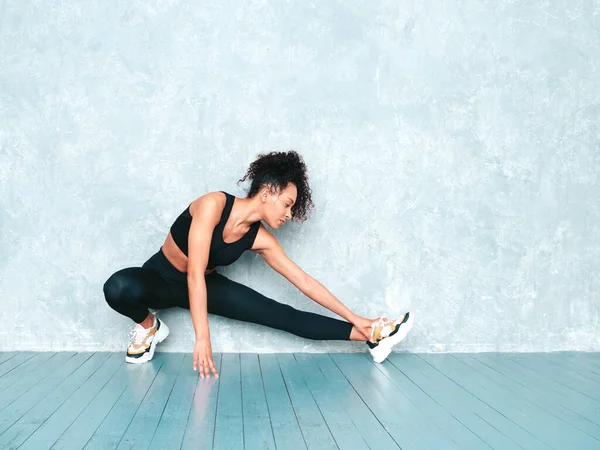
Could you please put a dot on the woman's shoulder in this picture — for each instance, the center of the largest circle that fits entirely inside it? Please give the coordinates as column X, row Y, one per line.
column 214, row 198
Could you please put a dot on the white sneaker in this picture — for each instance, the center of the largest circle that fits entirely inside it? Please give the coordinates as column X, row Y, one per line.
column 144, row 340
column 387, row 334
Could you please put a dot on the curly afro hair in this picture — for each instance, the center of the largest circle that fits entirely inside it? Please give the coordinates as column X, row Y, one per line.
column 278, row 169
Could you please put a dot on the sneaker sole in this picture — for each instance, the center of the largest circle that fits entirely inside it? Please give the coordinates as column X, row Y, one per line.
column 160, row 336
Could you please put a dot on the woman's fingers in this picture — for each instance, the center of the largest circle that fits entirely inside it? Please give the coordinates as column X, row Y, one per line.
column 203, row 359
column 213, row 368
column 205, row 366
column 210, row 366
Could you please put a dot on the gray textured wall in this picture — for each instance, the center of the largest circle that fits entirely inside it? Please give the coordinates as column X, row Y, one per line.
column 452, row 147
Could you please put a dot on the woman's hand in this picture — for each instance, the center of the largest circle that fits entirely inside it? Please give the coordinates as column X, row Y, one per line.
column 363, row 326
column 203, row 360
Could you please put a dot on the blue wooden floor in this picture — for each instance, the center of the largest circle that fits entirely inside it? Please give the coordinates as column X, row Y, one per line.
column 294, row 401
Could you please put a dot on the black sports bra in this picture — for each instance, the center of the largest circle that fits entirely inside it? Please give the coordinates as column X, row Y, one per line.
column 221, row 253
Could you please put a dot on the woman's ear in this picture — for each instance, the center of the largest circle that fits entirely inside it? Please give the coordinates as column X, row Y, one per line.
column 264, row 193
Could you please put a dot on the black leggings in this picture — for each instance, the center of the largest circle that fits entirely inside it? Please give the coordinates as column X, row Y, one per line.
column 159, row 285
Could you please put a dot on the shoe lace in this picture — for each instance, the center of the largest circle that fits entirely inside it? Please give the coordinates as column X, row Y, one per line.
column 138, row 334
column 381, row 321
column 378, row 324
column 381, row 324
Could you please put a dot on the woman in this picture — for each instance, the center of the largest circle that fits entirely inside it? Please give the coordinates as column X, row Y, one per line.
column 214, row 231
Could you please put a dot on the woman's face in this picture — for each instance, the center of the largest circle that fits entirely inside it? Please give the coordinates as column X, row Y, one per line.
column 278, row 206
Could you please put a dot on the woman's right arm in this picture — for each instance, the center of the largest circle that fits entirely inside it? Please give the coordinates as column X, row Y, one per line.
column 206, row 216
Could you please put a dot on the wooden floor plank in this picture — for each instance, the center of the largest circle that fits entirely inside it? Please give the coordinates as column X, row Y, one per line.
column 346, row 397
column 83, row 427
column 31, row 379
column 327, row 397
column 200, row 424
column 14, row 408
column 18, row 360
column 573, row 399
column 458, row 431
column 564, row 362
column 496, row 429
column 229, row 422
column 312, row 424
column 171, row 427
column 258, row 433
column 141, row 430
column 478, row 401
column 563, row 373
column 409, row 427
column 115, row 423
column 5, row 356
column 546, row 426
column 555, row 402
column 57, row 422
column 284, row 423
column 583, row 361
column 36, row 363
column 29, row 422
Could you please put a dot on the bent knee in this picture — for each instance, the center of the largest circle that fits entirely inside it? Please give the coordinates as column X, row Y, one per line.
column 120, row 286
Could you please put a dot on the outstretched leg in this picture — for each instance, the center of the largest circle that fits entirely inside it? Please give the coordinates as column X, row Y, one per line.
column 234, row 300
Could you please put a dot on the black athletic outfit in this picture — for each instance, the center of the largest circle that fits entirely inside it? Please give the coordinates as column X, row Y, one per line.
column 159, row 285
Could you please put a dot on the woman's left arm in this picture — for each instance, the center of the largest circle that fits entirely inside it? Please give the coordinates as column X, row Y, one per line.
column 269, row 248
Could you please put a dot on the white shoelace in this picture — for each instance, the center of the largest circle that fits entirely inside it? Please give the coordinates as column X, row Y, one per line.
column 138, row 334
column 379, row 322
column 383, row 322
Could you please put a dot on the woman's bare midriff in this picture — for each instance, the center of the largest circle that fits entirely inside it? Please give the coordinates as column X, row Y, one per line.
column 176, row 256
